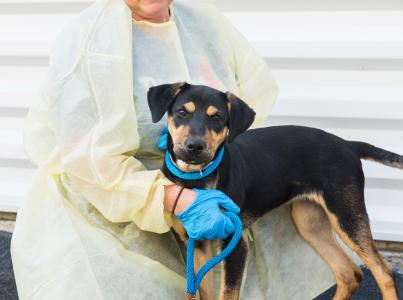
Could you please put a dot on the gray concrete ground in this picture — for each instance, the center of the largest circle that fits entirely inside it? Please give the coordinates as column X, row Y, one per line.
column 368, row 289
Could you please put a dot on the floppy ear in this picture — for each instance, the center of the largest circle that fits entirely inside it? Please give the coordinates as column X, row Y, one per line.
column 241, row 116
column 160, row 97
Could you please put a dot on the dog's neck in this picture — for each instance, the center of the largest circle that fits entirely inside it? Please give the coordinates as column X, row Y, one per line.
column 208, row 181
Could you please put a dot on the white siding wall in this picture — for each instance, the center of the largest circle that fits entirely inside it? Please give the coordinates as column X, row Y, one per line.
column 339, row 65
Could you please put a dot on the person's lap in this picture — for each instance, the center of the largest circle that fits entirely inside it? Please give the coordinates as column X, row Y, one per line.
column 119, row 259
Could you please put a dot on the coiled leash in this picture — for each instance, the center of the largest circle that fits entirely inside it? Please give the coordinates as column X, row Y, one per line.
column 193, row 281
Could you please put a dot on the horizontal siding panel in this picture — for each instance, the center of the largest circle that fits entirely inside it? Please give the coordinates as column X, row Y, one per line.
column 11, row 148
column 386, row 221
column 389, row 139
column 325, row 25
column 324, row 34
column 31, row 35
column 346, row 84
column 14, row 185
column 20, row 85
column 385, row 210
column 386, row 230
column 254, row 5
column 337, row 89
column 25, row 73
column 375, row 170
column 337, row 109
column 391, row 198
column 307, row 5
column 25, row 48
column 376, row 91
column 274, row 34
column 345, row 50
column 17, row 99
column 337, row 78
column 11, row 138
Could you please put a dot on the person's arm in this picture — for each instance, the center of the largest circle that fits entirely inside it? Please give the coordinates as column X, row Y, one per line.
column 185, row 199
column 64, row 134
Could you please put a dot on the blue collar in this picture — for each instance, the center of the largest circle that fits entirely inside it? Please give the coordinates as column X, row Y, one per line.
column 193, row 175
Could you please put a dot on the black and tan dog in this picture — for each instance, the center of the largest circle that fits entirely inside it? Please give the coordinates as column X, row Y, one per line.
column 263, row 168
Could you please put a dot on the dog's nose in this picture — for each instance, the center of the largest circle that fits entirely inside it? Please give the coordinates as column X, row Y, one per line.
column 195, row 145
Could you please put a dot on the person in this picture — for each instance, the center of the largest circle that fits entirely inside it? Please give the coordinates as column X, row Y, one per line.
column 96, row 221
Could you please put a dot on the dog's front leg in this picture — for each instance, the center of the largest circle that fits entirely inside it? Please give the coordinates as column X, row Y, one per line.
column 202, row 254
column 232, row 271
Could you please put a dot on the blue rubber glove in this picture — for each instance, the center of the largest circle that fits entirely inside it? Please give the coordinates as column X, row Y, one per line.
column 162, row 141
column 203, row 219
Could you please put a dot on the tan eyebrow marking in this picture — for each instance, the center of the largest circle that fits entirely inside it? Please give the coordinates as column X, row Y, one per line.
column 190, row 106
column 211, row 110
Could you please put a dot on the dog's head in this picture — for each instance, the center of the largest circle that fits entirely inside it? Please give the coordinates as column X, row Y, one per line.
column 200, row 120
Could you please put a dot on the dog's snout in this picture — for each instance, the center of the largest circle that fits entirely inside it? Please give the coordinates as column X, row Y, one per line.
column 195, row 145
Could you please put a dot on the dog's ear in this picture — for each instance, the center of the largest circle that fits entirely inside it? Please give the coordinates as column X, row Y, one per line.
column 241, row 116
column 160, row 97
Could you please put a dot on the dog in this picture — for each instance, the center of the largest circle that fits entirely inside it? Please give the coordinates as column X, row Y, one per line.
column 320, row 173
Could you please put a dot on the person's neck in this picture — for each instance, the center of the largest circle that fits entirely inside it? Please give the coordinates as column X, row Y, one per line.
column 161, row 18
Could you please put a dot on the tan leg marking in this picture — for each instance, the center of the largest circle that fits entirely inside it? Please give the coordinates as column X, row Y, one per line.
column 227, row 293
column 314, row 227
column 179, row 229
column 365, row 249
column 231, row 292
column 202, row 254
column 222, row 282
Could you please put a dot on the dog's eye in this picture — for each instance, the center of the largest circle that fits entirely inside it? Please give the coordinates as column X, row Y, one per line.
column 216, row 117
column 182, row 112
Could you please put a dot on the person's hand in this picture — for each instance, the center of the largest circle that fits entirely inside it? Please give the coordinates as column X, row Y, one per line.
column 163, row 140
column 203, row 218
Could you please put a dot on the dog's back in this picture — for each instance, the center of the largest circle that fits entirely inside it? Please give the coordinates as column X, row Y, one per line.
column 276, row 164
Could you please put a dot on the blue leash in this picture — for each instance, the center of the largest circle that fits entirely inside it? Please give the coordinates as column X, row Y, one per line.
column 193, row 281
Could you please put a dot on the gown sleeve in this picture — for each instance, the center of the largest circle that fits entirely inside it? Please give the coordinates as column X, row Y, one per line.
column 65, row 133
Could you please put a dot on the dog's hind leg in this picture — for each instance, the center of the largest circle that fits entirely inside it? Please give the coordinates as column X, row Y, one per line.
column 350, row 221
column 232, row 271
column 314, row 227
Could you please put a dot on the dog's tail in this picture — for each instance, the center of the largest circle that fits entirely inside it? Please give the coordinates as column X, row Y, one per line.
column 369, row 152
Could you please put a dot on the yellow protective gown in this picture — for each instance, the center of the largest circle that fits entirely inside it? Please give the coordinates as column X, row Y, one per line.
column 92, row 225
